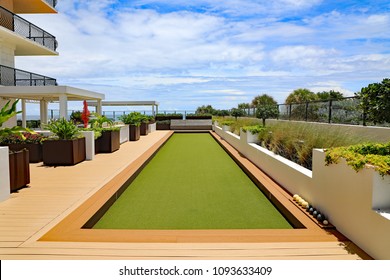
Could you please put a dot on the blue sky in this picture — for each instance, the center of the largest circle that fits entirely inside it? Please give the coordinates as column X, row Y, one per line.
column 185, row 54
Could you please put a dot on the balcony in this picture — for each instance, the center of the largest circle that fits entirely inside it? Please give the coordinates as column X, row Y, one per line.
column 16, row 77
column 26, row 29
column 34, row 6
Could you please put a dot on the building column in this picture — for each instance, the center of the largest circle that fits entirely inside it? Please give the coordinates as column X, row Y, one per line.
column 63, row 106
column 24, row 121
column 99, row 107
column 43, row 112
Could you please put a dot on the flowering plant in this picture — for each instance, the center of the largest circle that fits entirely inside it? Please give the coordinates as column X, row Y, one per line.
column 23, row 138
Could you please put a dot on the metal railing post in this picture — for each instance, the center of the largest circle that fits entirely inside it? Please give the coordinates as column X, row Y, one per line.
column 330, row 112
column 306, row 110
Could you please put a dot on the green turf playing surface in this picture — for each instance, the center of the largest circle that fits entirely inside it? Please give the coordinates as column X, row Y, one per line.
column 192, row 183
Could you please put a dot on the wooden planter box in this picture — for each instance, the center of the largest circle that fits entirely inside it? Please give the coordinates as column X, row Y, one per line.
column 163, row 126
column 144, row 128
column 64, row 152
column 19, row 169
column 134, row 132
column 35, row 151
column 109, row 142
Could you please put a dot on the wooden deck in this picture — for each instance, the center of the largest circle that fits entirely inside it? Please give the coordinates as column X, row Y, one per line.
column 56, row 192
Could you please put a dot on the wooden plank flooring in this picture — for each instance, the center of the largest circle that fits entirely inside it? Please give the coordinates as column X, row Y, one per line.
column 55, row 192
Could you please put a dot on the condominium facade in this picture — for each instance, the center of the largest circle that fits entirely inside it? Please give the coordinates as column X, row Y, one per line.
column 19, row 37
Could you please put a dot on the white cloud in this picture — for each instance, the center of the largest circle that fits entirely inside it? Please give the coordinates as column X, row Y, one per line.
column 214, row 52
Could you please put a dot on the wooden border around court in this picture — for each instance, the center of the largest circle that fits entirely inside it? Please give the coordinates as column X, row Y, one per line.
column 71, row 227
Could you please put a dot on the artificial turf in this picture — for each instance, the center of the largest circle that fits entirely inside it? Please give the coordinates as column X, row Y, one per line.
column 192, row 183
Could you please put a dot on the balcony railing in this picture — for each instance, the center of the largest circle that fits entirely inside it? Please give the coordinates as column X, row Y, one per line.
column 28, row 30
column 52, row 3
column 15, row 77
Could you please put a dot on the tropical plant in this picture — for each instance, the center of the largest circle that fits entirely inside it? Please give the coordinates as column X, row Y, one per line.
column 330, row 95
column 301, row 95
column 76, row 117
column 134, row 118
column 205, row 109
column 63, row 129
column 98, row 121
column 375, row 101
column 7, row 113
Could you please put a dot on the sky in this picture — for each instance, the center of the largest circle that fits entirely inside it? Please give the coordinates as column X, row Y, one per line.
column 185, row 54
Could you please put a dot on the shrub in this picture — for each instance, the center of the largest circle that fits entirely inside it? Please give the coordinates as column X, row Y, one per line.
column 134, row 118
column 357, row 156
column 63, row 129
column 254, row 129
column 24, row 138
column 296, row 141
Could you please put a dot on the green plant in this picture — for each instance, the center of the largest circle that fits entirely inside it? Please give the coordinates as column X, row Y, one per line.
column 358, row 156
column 235, row 112
column 23, row 138
column 98, row 121
column 227, row 122
column 296, row 141
column 375, row 101
column 5, row 114
column 63, row 129
column 254, row 129
column 76, row 117
column 134, row 118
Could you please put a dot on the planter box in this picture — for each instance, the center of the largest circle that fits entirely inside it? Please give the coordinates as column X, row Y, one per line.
column 198, row 117
column 35, row 151
column 163, row 126
column 248, row 137
column 108, row 142
column 152, row 127
column 124, row 133
column 144, row 129
column 134, row 132
column 64, row 152
column 19, row 169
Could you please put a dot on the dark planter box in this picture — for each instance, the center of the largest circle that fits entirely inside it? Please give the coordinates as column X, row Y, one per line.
column 35, row 151
column 19, row 169
column 64, row 152
column 169, row 117
column 134, row 132
column 163, row 126
column 198, row 117
column 144, row 128
column 107, row 143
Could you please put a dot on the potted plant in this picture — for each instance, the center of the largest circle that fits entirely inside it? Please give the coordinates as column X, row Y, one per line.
column 26, row 140
column 134, row 120
column 19, row 168
column 109, row 139
column 144, row 125
column 66, row 147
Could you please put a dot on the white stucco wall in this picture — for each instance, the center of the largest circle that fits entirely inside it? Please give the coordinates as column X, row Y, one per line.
column 4, row 174
column 349, row 199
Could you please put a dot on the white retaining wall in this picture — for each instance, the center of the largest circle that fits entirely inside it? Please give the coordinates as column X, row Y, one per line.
column 4, row 174
column 349, row 199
